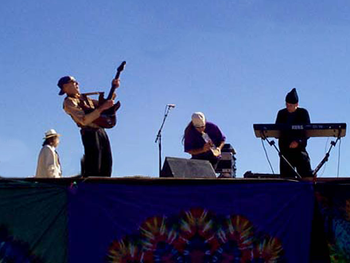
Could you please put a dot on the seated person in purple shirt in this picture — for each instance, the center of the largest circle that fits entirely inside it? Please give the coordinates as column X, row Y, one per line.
column 203, row 139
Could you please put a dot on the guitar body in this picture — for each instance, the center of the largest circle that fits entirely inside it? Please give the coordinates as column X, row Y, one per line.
column 108, row 118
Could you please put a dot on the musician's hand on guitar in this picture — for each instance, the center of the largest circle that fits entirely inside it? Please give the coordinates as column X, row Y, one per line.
column 293, row 145
column 216, row 151
column 114, row 96
column 206, row 147
column 116, row 83
column 106, row 105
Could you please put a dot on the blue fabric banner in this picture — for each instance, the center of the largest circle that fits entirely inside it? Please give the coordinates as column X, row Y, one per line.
column 33, row 222
column 190, row 222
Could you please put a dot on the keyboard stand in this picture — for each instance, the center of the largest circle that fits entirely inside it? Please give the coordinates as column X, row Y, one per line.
column 325, row 158
column 272, row 143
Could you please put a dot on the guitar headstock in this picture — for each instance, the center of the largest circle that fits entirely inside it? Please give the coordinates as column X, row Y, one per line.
column 121, row 67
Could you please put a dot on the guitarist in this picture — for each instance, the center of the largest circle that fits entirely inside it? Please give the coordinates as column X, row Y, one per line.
column 203, row 139
column 84, row 111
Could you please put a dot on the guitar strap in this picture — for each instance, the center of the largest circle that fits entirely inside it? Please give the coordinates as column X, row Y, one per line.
column 84, row 102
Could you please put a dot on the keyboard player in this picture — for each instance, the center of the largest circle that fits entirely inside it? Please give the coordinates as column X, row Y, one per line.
column 292, row 144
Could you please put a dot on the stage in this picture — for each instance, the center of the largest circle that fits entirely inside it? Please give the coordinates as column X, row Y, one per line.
column 141, row 219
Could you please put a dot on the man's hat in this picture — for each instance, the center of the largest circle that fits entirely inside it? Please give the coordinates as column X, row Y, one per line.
column 292, row 97
column 62, row 81
column 51, row 133
column 198, row 119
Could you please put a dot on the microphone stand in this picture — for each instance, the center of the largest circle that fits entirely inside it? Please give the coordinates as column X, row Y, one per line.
column 325, row 158
column 159, row 138
column 272, row 143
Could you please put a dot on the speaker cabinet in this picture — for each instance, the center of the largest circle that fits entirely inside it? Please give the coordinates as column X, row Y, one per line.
column 187, row 168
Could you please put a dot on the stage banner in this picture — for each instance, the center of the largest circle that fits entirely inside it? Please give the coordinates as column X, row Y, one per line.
column 191, row 221
column 334, row 208
column 33, row 222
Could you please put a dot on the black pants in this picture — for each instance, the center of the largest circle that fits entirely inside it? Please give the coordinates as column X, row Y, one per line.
column 98, row 156
column 299, row 159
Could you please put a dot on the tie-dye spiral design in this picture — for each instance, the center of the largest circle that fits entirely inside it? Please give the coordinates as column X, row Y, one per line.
column 197, row 235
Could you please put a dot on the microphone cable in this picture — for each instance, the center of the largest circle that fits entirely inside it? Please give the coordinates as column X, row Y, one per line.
column 338, row 158
column 267, row 156
column 325, row 164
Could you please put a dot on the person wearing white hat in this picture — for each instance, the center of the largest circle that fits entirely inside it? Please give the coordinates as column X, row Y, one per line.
column 48, row 161
column 203, row 140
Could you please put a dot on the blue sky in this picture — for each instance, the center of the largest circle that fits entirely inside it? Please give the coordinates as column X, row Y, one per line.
column 234, row 60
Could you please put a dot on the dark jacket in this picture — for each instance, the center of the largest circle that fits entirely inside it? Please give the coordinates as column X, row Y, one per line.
column 300, row 116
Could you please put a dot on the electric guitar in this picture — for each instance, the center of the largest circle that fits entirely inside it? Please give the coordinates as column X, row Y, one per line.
column 216, row 152
column 108, row 118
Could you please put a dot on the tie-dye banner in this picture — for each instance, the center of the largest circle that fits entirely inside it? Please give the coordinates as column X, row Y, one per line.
column 190, row 222
column 155, row 221
column 333, row 200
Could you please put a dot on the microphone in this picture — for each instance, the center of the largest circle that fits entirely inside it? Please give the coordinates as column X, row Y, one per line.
column 171, row 105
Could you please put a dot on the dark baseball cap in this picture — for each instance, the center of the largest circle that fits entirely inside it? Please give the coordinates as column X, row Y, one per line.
column 62, row 81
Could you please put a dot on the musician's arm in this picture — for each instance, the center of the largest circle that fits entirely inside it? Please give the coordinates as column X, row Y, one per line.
column 97, row 102
column 220, row 140
column 221, row 145
column 206, row 147
column 217, row 150
column 72, row 107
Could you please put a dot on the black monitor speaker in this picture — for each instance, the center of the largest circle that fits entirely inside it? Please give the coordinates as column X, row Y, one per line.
column 187, row 168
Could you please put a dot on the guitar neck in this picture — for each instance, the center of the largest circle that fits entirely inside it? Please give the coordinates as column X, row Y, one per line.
column 110, row 94
column 114, row 87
